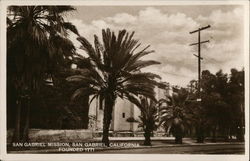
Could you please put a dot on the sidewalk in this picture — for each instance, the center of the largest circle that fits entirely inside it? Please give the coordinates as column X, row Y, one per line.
column 158, row 142
column 133, row 138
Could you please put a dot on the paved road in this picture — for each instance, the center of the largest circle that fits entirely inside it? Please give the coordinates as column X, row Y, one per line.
column 194, row 149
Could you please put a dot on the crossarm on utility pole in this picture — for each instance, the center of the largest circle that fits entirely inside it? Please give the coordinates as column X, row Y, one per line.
column 200, row 43
column 198, row 56
column 203, row 28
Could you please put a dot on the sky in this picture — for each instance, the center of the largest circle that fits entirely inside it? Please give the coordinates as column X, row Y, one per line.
column 166, row 29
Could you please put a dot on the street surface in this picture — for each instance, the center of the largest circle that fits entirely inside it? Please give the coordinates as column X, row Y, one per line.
column 193, row 149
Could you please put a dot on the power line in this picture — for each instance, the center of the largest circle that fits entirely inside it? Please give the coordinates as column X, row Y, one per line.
column 213, row 60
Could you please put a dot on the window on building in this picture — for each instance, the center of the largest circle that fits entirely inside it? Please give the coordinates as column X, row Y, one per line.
column 123, row 115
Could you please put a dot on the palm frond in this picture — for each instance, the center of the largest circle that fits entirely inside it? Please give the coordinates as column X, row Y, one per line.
column 63, row 9
column 90, row 50
column 71, row 27
column 141, row 64
column 79, row 92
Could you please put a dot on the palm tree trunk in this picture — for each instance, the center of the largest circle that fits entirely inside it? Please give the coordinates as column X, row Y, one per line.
column 108, row 109
column 214, row 134
column 27, row 121
column 147, row 134
column 200, row 133
column 16, row 134
column 85, row 109
column 178, row 139
column 105, row 134
column 178, row 135
column 225, row 133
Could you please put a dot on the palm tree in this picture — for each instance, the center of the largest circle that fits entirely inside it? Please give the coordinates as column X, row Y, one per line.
column 113, row 69
column 174, row 115
column 37, row 44
column 148, row 118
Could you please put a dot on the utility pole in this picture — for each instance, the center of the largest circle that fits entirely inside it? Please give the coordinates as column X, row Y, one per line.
column 199, row 55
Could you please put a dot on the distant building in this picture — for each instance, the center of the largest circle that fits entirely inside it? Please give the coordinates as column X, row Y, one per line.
column 122, row 111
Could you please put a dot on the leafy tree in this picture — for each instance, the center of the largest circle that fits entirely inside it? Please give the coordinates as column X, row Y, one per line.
column 206, row 111
column 37, row 44
column 211, row 105
column 222, row 100
column 236, row 100
column 113, row 69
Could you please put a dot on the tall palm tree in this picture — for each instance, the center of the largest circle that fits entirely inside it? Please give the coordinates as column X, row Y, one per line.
column 174, row 113
column 37, row 44
column 113, row 69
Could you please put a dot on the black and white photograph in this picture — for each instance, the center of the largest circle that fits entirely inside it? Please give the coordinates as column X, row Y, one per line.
column 122, row 77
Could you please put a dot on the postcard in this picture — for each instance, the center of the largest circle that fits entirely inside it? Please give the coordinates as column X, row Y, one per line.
column 124, row 80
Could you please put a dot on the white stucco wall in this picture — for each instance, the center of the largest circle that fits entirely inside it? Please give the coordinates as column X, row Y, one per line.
column 122, row 107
